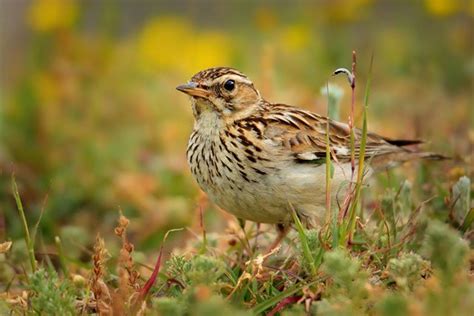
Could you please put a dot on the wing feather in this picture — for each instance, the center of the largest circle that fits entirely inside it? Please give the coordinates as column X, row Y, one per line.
column 304, row 133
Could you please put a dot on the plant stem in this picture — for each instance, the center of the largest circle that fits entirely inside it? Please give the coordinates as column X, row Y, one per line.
column 29, row 243
column 62, row 258
column 328, row 170
column 360, row 170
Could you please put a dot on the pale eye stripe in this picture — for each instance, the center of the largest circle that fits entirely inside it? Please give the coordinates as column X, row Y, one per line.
column 235, row 77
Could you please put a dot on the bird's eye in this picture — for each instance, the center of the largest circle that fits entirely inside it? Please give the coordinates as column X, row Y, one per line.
column 229, row 85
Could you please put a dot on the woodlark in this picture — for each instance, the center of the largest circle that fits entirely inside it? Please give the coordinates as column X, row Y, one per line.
column 258, row 160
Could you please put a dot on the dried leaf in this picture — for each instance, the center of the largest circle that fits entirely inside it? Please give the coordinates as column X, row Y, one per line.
column 5, row 246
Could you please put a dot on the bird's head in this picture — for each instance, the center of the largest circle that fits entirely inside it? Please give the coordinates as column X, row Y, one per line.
column 223, row 91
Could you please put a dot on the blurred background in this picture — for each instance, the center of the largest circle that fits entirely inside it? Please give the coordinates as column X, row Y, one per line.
column 90, row 121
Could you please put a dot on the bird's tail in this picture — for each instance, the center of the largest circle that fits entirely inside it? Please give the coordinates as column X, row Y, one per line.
column 391, row 160
column 430, row 156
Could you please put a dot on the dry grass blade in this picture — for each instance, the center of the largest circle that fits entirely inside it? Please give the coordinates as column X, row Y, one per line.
column 5, row 246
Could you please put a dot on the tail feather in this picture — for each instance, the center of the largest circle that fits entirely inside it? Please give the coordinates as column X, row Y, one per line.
column 403, row 142
column 391, row 160
column 431, row 156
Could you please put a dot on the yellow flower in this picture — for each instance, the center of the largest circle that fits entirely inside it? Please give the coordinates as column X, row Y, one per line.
column 173, row 43
column 340, row 11
column 49, row 15
column 295, row 38
column 162, row 41
column 208, row 49
column 442, row 7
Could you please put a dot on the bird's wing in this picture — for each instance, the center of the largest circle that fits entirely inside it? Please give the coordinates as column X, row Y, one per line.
column 303, row 134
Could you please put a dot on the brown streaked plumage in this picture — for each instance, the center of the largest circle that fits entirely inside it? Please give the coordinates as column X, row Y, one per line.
column 255, row 158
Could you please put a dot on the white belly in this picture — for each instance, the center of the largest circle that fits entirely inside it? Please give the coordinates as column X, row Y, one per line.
column 303, row 186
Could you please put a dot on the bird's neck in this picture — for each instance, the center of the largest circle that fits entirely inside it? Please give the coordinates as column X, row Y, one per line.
column 209, row 123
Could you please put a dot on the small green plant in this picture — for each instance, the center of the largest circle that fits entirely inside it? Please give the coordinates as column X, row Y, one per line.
column 407, row 270
column 345, row 273
column 393, row 305
column 50, row 295
column 312, row 259
column 449, row 291
column 168, row 306
column 447, row 251
column 346, row 288
column 204, row 269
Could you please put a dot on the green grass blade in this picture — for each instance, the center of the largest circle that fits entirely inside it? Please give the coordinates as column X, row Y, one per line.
column 62, row 258
column 21, row 211
column 329, row 173
column 304, row 242
column 468, row 220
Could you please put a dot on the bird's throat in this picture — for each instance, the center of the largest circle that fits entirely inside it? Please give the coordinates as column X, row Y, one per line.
column 209, row 123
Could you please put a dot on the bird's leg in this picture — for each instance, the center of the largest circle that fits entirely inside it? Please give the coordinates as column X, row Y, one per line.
column 245, row 241
column 282, row 230
column 241, row 223
column 257, row 233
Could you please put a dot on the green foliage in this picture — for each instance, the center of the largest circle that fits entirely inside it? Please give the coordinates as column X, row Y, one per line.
column 446, row 250
column 178, row 266
column 216, row 306
column 392, row 305
column 407, row 270
column 313, row 257
column 192, row 304
column 168, row 306
column 346, row 291
column 304, row 245
column 51, row 295
column 204, row 269
column 346, row 274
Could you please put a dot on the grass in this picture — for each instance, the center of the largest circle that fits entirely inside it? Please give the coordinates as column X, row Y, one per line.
column 29, row 242
column 387, row 271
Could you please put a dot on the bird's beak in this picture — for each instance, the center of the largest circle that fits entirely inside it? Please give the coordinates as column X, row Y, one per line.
column 192, row 89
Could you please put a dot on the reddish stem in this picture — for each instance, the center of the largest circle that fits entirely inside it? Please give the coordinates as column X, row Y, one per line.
column 283, row 303
column 201, row 223
column 146, row 288
column 351, row 131
column 351, row 119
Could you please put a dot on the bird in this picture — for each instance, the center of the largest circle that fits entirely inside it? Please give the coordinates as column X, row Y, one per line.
column 260, row 161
